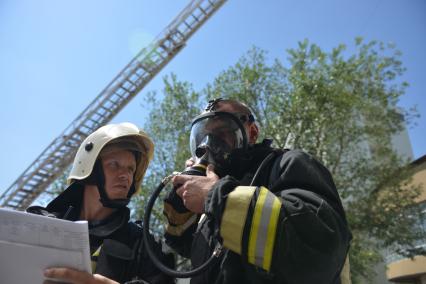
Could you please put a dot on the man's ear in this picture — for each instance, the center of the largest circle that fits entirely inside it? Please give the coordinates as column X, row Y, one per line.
column 253, row 133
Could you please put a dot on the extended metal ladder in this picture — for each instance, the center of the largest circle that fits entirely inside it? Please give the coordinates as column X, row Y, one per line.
column 125, row 86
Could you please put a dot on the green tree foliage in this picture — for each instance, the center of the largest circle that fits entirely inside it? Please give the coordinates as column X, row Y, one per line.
column 168, row 126
column 340, row 108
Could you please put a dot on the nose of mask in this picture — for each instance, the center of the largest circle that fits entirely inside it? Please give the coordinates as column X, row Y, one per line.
column 215, row 145
column 220, row 161
column 200, row 151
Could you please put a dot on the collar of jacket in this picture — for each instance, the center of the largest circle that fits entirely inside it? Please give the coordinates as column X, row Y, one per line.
column 243, row 162
column 112, row 223
column 73, row 196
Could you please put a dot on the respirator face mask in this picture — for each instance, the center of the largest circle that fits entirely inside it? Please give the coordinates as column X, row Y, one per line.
column 214, row 136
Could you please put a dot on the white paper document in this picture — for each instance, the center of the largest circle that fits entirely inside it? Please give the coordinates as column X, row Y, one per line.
column 30, row 243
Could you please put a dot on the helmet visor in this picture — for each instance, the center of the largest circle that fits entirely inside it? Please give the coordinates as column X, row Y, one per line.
column 219, row 132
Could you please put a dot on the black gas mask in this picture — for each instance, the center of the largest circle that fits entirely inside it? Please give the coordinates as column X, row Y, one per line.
column 215, row 137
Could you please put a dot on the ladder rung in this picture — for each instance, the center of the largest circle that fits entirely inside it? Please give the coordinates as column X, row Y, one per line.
column 26, row 189
column 44, row 175
column 17, row 200
column 141, row 71
column 79, row 133
column 68, row 138
column 164, row 48
column 187, row 25
column 208, row 7
column 158, row 53
column 36, row 178
column 112, row 102
column 179, row 33
column 202, row 10
column 124, row 88
column 131, row 82
column 169, row 39
column 22, row 193
column 61, row 152
column 91, row 128
column 129, row 87
column 100, row 116
column 196, row 19
column 118, row 95
column 102, row 107
column 140, row 66
column 94, row 121
column 87, row 127
column 79, row 137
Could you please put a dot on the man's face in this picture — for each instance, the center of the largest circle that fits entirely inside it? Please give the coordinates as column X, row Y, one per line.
column 230, row 108
column 223, row 131
column 219, row 133
column 119, row 168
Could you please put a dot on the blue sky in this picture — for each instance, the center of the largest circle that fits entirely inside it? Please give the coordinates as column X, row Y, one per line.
column 56, row 56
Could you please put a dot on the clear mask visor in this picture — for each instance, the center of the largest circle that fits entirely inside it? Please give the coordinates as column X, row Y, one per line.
column 219, row 134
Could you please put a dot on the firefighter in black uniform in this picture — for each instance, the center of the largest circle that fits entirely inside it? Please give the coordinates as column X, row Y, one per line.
column 108, row 169
column 276, row 212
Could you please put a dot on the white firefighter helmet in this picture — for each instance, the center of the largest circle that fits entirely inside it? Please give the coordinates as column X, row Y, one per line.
column 123, row 135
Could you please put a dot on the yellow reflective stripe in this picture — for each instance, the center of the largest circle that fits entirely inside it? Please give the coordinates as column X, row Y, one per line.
column 255, row 227
column 272, row 228
column 234, row 217
column 345, row 275
column 263, row 229
column 95, row 254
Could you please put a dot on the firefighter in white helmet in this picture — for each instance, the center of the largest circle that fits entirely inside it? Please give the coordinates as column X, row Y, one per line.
column 108, row 169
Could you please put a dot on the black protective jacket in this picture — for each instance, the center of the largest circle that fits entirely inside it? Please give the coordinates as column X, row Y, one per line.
column 116, row 245
column 290, row 227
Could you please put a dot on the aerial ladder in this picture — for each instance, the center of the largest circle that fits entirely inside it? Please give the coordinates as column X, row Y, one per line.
column 57, row 157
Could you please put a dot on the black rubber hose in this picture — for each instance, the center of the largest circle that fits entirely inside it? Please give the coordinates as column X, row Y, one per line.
column 151, row 253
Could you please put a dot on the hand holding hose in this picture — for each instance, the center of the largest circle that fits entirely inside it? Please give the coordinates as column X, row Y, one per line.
column 187, row 186
column 194, row 189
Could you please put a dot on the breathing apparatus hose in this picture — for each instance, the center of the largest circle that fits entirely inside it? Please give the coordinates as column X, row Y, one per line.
column 149, row 246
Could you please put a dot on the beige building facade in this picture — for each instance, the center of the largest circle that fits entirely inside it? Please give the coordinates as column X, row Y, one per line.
column 406, row 270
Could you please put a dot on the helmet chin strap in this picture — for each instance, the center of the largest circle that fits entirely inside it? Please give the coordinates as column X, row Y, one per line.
column 112, row 203
column 104, row 199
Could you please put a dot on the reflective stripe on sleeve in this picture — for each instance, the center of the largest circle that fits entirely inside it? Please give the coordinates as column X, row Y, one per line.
column 94, row 258
column 263, row 229
column 234, row 217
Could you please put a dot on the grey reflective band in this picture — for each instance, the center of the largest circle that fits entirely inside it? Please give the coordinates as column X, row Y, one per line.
column 263, row 229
